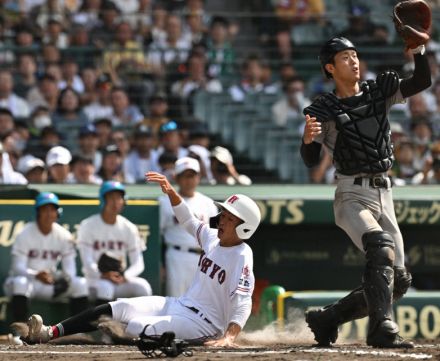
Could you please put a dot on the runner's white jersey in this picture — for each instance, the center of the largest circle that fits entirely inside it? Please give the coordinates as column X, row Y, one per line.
column 201, row 206
column 96, row 237
column 223, row 272
column 43, row 252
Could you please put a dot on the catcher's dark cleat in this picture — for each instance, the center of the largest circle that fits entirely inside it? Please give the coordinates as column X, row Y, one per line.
column 325, row 332
column 383, row 340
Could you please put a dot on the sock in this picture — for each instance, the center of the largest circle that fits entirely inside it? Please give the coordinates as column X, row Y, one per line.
column 84, row 321
column 57, row 331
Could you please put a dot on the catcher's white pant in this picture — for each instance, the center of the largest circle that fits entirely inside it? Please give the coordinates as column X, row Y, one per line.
column 107, row 290
column 32, row 288
column 360, row 209
column 162, row 314
column 181, row 268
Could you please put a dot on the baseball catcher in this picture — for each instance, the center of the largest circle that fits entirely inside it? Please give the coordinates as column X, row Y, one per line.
column 352, row 123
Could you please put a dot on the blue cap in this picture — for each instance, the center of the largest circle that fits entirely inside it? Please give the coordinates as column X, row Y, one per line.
column 168, row 127
column 109, row 186
column 87, row 129
column 46, row 198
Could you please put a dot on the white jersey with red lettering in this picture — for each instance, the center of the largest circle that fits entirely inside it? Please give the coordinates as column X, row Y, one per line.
column 182, row 249
column 122, row 240
column 43, row 252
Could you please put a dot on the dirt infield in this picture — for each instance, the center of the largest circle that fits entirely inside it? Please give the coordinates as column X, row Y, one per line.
column 276, row 352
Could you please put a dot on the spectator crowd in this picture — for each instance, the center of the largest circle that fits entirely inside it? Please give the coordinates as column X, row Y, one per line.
column 99, row 90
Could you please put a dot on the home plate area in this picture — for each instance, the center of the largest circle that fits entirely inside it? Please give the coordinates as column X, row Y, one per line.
column 263, row 352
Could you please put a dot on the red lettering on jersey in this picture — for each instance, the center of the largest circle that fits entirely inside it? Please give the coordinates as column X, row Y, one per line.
column 206, row 263
column 221, row 276
column 120, row 245
column 201, row 257
column 96, row 245
column 44, row 255
column 54, row 255
column 111, row 245
column 246, row 271
column 232, row 199
column 33, row 253
column 215, row 269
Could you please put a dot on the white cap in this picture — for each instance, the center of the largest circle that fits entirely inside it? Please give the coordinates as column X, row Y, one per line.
column 186, row 163
column 222, row 155
column 29, row 162
column 58, row 155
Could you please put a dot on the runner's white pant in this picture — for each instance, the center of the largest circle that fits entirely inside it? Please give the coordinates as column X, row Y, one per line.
column 162, row 314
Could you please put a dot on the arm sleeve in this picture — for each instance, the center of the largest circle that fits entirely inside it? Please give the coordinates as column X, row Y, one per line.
column 89, row 265
column 241, row 309
column 421, row 78
column 310, row 153
column 136, row 263
column 19, row 266
column 68, row 265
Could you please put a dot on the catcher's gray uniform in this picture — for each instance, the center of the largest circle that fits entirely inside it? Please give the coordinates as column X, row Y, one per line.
column 360, row 208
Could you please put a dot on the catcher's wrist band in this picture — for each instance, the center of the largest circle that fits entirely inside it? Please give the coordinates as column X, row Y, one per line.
column 419, row 50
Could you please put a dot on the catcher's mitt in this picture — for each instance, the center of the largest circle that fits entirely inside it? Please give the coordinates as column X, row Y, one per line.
column 412, row 20
column 107, row 263
column 166, row 344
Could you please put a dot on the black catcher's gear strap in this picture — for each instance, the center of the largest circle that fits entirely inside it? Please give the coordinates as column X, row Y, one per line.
column 163, row 345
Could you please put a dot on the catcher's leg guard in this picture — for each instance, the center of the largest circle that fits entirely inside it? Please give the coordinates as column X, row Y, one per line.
column 324, row 322
column 378, row 285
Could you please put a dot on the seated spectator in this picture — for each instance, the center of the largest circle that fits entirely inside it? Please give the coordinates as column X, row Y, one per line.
column 104, row 130
column 142, row 158
column 422, row 137
column 170, row 140
column 123, row 113
column 33, row 169
column 167, row 54
column 6, row 122
column 124, row 55
column 360, row 29
column 40, row 248
column 40, row 118
column 82, row 171
column 221, row 56
column 88, row 142
column 289, row 108
column 166, row 163
column 292, row 12
column 26, row 74
column 79, row 37
column 50, row 55
column 45, row 93
column 251, row 80
column 70, row 76
column 8, row 99
column 158, row 110
column 101, row 107
column 7, row 173
column 89, row 77
column 48, row 138
column 432, row 171
column 41, row 14
column 69, row 111
column 119, row 137
column 87, row 14
column 159, row 17
column 57, row 160
column 223, row 169
column 54, row 32
column 103, row 33
column 404, row 170
column 111, row 167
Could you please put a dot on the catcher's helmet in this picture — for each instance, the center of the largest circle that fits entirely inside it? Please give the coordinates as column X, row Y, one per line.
column 247, row 210
column 48, row 198
column 110, row 186
column 331, row 48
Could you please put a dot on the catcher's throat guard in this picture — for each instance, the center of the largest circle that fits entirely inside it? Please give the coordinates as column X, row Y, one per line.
column 164, row 345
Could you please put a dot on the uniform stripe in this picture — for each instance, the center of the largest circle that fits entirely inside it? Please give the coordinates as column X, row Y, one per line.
column 198, row 234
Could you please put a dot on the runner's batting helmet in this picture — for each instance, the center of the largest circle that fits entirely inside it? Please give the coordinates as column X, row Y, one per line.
column 331, row 48
column 110, row 186
column 247, row 210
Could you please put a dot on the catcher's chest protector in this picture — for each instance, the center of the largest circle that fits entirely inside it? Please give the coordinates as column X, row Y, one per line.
column 363, row 143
